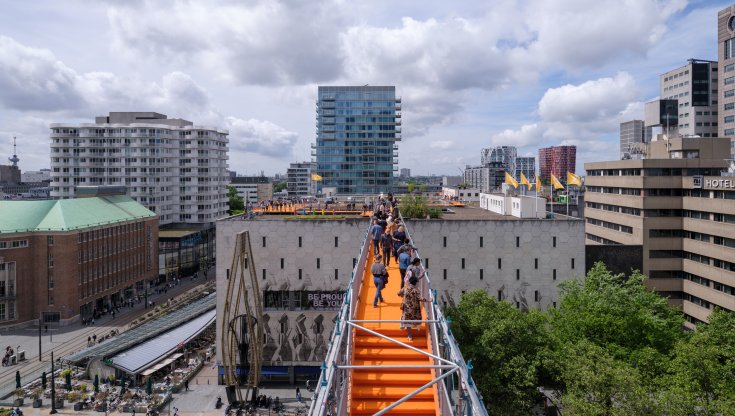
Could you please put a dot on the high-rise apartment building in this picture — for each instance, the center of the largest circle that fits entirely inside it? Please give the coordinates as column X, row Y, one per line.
column 298, row 179
column 172, row 167
column 726, row 84
column 678, row 208
column 694, row 85
column 405, row 173
column 506, row 155
column 357, row 131
column 633, row 136
column 557, row 160
column 527, row 166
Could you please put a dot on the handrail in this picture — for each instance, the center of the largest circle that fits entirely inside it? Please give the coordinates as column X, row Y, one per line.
column 477, row 407
column 332, row 391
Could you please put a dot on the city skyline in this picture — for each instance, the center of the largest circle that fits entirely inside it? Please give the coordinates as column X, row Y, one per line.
column 66, row 64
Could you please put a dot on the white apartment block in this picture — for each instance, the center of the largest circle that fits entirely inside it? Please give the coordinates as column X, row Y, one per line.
column 695, row 87
column 172, row 167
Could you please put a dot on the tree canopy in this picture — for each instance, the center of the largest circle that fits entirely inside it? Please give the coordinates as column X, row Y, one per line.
column 235, row 202
column 612, row 347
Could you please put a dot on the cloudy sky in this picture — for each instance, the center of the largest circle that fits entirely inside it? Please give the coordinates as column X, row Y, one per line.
column 472, row 74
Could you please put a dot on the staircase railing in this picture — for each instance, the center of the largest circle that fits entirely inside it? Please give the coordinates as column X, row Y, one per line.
column 458, row 395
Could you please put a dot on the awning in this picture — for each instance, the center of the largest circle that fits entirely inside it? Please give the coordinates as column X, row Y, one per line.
column 144, row 356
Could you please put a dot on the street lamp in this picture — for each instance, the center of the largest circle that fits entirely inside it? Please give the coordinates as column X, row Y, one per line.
column 53, row 386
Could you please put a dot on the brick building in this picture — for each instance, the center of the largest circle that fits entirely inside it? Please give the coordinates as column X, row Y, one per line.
column 68, row 259
column 557, row 160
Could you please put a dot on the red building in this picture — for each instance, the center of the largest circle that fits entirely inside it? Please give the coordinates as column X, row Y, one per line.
column 557, row 160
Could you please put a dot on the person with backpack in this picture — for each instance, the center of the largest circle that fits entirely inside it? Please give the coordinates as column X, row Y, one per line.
column 404, row 260
column 375, row 232
column 416, row 270
column 380, row 278
column 387, row 243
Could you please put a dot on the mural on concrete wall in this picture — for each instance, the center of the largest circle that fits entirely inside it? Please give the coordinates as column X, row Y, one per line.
column 291, row 337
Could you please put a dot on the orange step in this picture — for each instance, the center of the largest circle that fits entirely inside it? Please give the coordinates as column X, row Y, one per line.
column 411, row 407
column 390, row 392
column 374, row 389
column 403, row 378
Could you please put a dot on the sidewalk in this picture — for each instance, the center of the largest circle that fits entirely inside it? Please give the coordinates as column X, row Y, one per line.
column 68, row 339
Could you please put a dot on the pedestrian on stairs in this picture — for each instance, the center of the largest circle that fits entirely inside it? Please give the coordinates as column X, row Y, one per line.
column 380, row 277
column 411, row 306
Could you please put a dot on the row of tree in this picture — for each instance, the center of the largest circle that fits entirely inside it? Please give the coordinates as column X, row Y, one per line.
column 612, row 347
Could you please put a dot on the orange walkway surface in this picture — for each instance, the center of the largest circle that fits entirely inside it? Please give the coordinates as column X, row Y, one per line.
column 372, row 390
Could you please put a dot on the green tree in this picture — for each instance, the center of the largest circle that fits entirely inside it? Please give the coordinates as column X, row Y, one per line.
column 703, row 370
column 279, row 186
column 504, row 344
column 618, row 313
column 235, row 201
column 599, row 385
column 410, row 187
column 422, row 188
column 414, row 206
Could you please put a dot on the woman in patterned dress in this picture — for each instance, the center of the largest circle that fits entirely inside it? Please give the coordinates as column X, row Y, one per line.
column 411, row 306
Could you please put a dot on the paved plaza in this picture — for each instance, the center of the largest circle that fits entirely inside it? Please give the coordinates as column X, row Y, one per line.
column 68, row 339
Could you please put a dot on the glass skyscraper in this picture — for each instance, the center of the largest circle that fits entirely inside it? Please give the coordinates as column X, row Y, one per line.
column 357, row 131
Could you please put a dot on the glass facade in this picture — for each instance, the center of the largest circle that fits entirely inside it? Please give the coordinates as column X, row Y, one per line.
column 357, row 131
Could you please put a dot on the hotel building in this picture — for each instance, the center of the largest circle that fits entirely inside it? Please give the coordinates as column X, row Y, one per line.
column 680, row 210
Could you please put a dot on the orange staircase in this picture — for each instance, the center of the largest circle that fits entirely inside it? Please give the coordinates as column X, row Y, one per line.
column 374, row 389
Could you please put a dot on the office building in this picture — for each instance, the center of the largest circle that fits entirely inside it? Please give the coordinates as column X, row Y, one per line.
column 487, row 178
column 253, row 189
column 634, row 135
column 557, row 160
column 299, row 182
column 694, row 85
column 726, row 65
column 506, row 155
column 405, row 173
column 172, row 167
column 36, row 176
column 70, row 259
column 357, row 131
column 677, row 209
column 527, row 166
column 304, row 267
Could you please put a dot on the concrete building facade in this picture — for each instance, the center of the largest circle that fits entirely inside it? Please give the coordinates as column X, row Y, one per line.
column 73, row 259
column 677, row 207
column 299, row 182
column 633, row 137
column 357, row 131
column 172, row 167
column 486, row 178
column 253, row 189
column 694, row 85
column 518, row 260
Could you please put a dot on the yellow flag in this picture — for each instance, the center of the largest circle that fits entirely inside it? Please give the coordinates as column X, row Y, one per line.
column 573, row 179
column 538, row 184
column 509, row 180
column 524, row 181
column 316, row 177
column 555, row 182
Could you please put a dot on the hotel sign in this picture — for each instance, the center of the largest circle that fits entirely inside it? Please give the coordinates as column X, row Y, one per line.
column 700, row 182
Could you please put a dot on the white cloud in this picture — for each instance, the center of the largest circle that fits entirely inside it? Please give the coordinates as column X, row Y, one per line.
column 579, row 115
column 432, row 60
column 261, row 137
column 34, row 80
column 441, row 144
